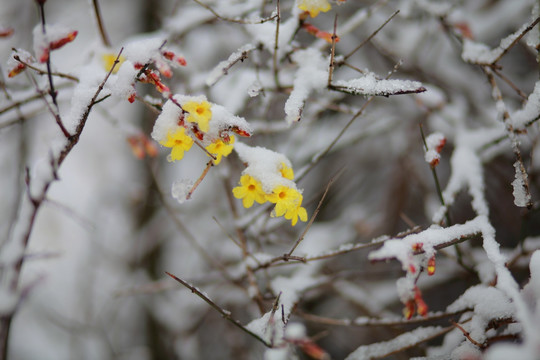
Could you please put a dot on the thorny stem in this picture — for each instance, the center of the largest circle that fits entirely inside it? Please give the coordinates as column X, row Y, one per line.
column 200, row 179
column 226, row 314
column 276, row 46
column 101, row 27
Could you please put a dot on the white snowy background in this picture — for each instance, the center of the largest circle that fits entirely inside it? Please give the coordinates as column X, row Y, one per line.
column 93, row 282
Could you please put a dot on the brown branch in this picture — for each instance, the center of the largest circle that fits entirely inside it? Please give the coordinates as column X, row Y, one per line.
column 43, row 72
column 332, row 53
column 101, row 27
column 200, row 179
column 468, row 335
column 225, row 313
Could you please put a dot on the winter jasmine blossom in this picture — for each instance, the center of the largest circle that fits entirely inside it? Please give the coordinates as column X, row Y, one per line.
column 220, row 149
column 199, row 113
column 179, row 141
column 108, row 60
column 285, row 198
column 250, row 190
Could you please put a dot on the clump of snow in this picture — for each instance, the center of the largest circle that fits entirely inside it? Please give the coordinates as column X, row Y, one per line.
column 222, row 68
column 312, row 74
column 224, row 121
column 123, row 82
column 181, row 188
column 478, row 53
column 166, row 121
column 264, row 165
column 522, row 197
column 530, row 111
column 143, row 50
column 370, row 85
column 255, row 89
column 295, row 331
column 402, row 341
column 434, row 144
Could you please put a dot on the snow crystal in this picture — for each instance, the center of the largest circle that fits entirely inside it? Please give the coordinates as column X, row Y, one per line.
column 264, row 165
column 530, row 112
column 311, row 75
column 522, row 197
column 181, row 188
column 400, row 342
column 370, row 85
column 222, row 68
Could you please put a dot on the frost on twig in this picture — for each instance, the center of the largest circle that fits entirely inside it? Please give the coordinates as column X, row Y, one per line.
column 223, row 67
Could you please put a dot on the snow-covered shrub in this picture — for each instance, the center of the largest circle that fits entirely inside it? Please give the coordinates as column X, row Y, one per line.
column 216, row 179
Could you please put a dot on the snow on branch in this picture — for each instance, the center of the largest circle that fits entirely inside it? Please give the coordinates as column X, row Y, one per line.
column 369, row 84
column 223, row 67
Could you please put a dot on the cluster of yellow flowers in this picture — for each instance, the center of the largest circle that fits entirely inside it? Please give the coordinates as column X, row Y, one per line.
column 284, row 194
column 197, row 118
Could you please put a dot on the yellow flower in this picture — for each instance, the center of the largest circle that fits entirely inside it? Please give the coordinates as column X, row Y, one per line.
column 220, row 149
column 294, row 213
column 285, row 198
column 199, row 112
column 179, row 141
column 286, row 172
column 250, row 190
column 108, row 61
column 314, row 6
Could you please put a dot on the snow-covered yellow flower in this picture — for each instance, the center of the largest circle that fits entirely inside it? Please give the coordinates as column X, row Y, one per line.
column 286, row 171
column 179, row 141
column 198, row 112
column 285, row 198
column 294, row 213
column 314, row 7
column 220, row 149
column 250, row 190
column 108, row 61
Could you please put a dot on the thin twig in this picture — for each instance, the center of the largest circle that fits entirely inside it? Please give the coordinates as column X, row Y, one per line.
column 200, row 179
column 43, row 72
column 101, row 27
column 371, row 36
column 225, row 313
column 315, row 213
column 237, row 21
column 467, row 335
column 276, row 46
column 332, row 53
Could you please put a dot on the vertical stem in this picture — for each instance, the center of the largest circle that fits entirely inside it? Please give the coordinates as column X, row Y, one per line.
column 101, row 27
column 276, row 46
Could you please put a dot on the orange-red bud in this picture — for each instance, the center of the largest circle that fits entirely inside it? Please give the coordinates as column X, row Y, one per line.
column 431, row 266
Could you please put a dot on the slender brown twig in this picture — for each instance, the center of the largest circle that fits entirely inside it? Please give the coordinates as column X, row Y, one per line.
column 101, row 27
column 225, row 313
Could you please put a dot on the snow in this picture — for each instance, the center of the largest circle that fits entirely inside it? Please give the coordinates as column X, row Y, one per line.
column 478, row 53
column 221, row 69
column 181, row 188
column 312, row 75
column 530, row 111
column 295, row 331
column 264, row 164
column 522, row 197
column 369, row 84
column 399, row 342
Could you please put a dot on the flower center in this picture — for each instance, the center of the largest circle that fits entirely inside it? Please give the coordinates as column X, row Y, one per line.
column 251, row 187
